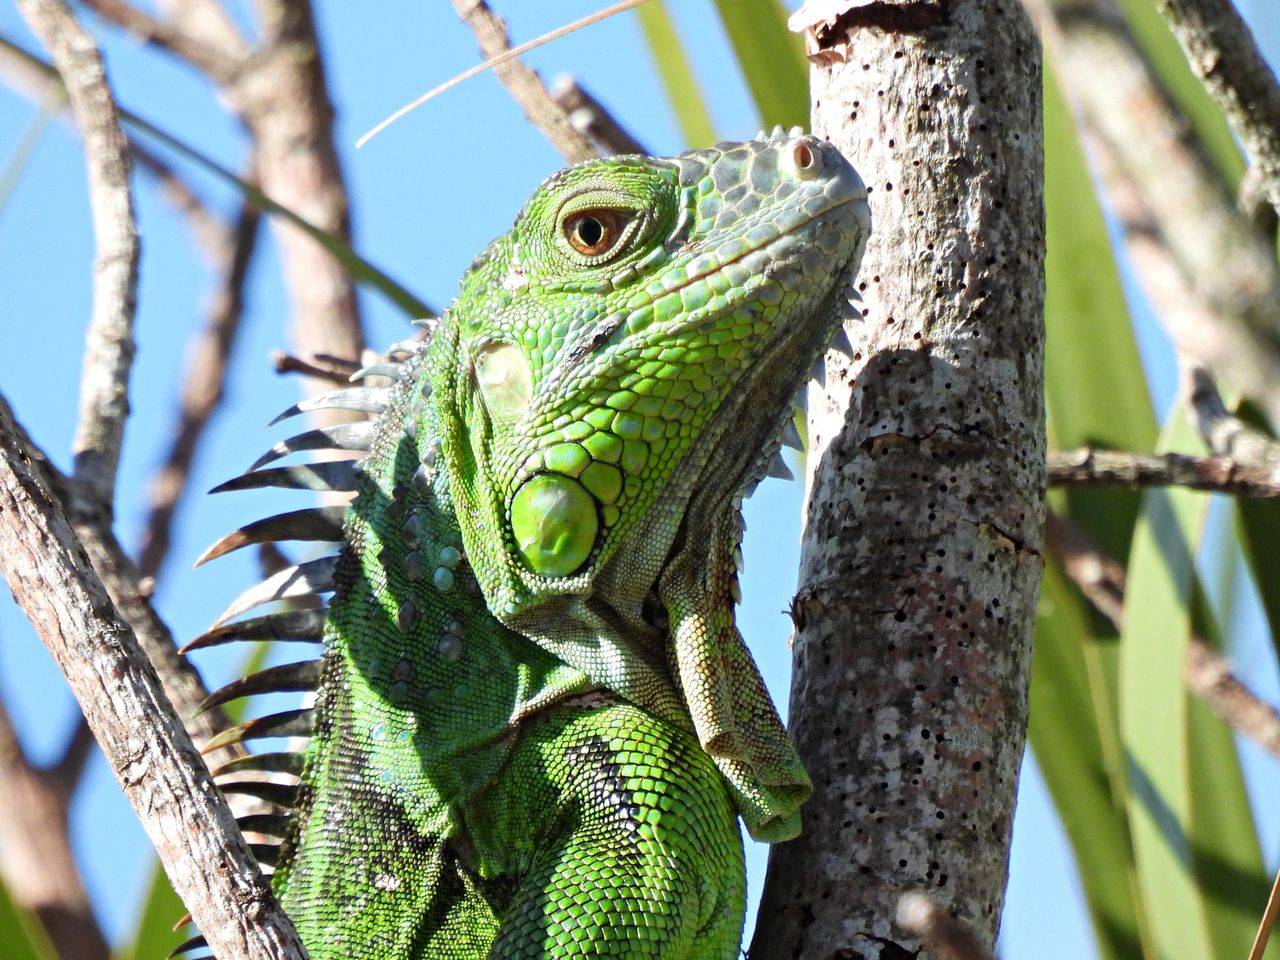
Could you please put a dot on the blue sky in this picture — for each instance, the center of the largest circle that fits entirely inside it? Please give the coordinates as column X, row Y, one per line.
column 427, row 195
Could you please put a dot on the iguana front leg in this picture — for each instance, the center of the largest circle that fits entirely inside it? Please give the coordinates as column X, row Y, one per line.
column 733, row 714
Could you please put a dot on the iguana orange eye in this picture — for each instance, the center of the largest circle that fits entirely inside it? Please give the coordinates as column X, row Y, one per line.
column 593, row 232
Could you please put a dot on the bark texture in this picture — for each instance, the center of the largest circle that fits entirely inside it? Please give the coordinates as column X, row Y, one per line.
column 921, row 562
column 151, row 756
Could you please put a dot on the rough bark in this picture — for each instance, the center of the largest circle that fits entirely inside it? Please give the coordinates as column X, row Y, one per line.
column 152, row 758
column 921, row 561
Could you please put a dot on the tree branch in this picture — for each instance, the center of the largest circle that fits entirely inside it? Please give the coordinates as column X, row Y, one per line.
column 109, row 340
column 203, row 385
column 951, row 939
column 1224, row 434
column 166, row 35
column 1223, row 54
column 524, row 84
column 1131, row 471
column 589, row 116
column 162, row 775
column 1211, row 276
column 1209, row 677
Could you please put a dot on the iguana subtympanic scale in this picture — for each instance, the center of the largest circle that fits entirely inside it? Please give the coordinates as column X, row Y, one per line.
column 535, row 720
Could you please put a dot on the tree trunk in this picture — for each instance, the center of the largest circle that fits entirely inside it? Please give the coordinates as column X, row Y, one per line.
column 921, row 561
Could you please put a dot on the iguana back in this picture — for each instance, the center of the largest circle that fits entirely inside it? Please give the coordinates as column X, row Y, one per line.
column 535, row 721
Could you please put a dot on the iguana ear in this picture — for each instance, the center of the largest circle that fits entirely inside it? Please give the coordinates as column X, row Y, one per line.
column 733, row 714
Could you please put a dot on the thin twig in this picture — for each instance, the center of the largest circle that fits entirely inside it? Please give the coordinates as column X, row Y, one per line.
column 1208, row 676
column 1268, row 921
column 1106, row 468
column 524, row 84
column 589, row 116
column 154, row 761
column 332, row 371
column 499, row 59
column 1226, row 435
column 1223, row 54
column 951, row 938
column 202, row 389
column 109, row 344
column 167, row 35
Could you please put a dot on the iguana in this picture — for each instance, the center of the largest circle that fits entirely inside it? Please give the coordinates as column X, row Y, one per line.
column 535, row 723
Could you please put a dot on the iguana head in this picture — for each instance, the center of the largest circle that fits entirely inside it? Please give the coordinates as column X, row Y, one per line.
column 636, row 336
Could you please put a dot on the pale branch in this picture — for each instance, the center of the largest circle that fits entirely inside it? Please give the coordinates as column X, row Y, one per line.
column 167, row 35
column 1107, row 468
column 1208, row 675
column 36, row 859
column 211, row 21
column 1252, row 201
column 109, row 346
column 589, row 116
column 1224, row 434
column 524, row 84
column 1223, row 54
column 282, row 96
column 154, row 761
column 208, row 228
column 202, row 388
column 951, row 939
column 1212, row 277
column 132, row 597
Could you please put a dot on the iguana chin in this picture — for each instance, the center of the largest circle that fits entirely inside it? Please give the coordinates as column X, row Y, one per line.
column 535, row 722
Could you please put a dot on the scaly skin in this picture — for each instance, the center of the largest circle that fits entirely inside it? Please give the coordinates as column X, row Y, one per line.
column 536, row 722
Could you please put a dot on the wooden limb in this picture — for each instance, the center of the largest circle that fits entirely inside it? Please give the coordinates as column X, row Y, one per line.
column 283, row 98
column 589, row 116
column 109, row 340
column 1211, row 276
column 1223, row 54
column 36, row 858
column 1224, row 434
column 321, row 369
column 202, row 390
column 169, row 36
column 524, row 84
column 950, row 938
column 129, row 593
column 1208, row 675
column 162, row 775
column 1106, row 468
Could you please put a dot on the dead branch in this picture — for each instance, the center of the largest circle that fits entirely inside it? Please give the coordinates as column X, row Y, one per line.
column 589, row 116
column 951, row 939
column 1212, row 278
column 168, row 36
column 524, row 84
column 1208, row 675
column 1223, row 54
column 154, row 761
column 1224, row 434
column 1106, row 468
column 202, row 391
column 109, row 344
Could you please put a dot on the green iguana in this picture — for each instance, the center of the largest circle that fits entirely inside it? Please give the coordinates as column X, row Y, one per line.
column 535, row 722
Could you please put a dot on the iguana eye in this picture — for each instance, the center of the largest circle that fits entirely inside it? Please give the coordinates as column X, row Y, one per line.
column 594, row 233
